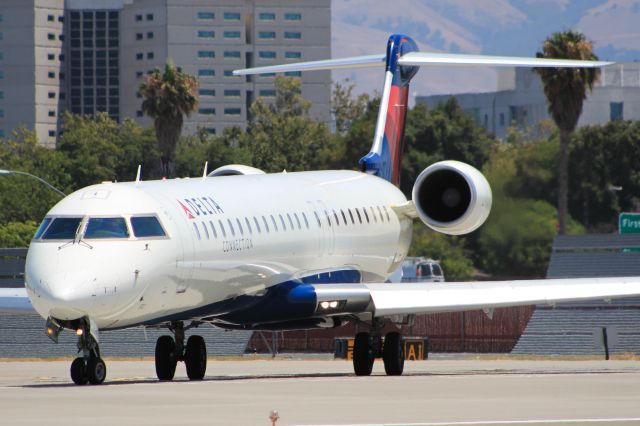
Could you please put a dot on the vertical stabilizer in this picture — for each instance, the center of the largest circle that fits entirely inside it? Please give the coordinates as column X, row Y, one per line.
column 385, row 157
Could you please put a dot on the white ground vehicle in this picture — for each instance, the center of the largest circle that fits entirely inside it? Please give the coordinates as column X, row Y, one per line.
column 421, row 269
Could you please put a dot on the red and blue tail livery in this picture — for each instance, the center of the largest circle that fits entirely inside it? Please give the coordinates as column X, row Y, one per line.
column 385, row 158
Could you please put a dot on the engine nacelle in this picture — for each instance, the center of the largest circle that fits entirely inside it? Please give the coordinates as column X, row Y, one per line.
column 452, row 197
column 234, row 170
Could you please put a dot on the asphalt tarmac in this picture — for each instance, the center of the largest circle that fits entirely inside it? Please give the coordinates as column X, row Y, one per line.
column 325, row 392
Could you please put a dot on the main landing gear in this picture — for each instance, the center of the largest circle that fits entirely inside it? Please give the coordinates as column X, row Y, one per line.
column 368, row 346
column 170, row 350
column 88, row 368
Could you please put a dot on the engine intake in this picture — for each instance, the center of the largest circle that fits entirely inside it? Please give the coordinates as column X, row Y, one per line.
column 452, row 197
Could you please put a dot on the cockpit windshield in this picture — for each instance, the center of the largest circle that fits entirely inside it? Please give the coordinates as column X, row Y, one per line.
column 106, row 227
column 147, row 226
column 61, row 228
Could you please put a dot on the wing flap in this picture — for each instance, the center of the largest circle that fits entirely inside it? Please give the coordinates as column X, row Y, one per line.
column 393, row 299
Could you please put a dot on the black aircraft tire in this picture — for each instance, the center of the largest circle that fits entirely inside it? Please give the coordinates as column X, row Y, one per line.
column 165, row 358
column 362, row 355
column 195, row 358
column 77, row 370
column 393, row 354
column 96, row 371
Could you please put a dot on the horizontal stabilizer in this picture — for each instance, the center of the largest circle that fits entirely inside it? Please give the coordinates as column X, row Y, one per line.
column 449, row 59
column 329, row 64
column 423, row 58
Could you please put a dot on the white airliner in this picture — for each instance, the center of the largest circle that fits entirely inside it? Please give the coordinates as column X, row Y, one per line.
column 241, row 249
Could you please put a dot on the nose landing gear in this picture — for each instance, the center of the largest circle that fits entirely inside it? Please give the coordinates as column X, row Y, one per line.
column 88, row 368
column 170, row 351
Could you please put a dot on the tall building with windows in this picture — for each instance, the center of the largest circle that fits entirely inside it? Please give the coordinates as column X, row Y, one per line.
column 92, row 55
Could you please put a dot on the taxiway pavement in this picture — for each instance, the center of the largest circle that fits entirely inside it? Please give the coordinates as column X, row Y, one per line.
column 325, row 392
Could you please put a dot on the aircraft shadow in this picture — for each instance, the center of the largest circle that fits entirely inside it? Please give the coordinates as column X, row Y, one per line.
column 260, row 377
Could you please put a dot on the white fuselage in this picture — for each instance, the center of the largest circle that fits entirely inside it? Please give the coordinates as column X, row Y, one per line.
column 225, row 237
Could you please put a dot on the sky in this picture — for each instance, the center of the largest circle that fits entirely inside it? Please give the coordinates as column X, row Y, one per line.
column 496, row 27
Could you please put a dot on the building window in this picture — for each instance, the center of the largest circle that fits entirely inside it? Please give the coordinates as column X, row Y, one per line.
column 267, row 93
column 267, row 34
column 138, row 74
column 150, row 55
column 267, row 16
column 206, row 15
column 267, row 74
column 51, row 56
column 293, row 55
column 138, row 18
column 206, row 54
column 292, row 16
column 232, row 111
column 228, row 73
column 150, row 35
column 51, row 36
column 206, row 73
column 139, row 113
column 138, row 36
column 139, row 56
column 231, row 54
column 207, row 111
column 232, row 34
column 206, row 92
column 52, row 113
column 231, row 16
column 502, row 119
column 267, row 54
column 51, row 95
column 293, row 74
column 616, row 110
column 51, row 18
column 206, row 34
column 235, row 93
column 149, row 16
column 52, row 133
column 292, row 35
column 51, row 74
column 211, row 130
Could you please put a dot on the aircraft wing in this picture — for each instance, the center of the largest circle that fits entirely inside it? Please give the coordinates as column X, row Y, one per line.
column 395, row 299
column 15, row 301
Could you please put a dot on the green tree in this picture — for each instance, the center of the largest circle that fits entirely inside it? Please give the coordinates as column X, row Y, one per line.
column 168, row 97
column 450, row 251
column 17, row 234
column 345, row 107
column 566, row 90
column 282, row 136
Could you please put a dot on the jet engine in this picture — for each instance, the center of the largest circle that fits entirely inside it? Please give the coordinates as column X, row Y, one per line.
column 235, row 169
column 452, row 197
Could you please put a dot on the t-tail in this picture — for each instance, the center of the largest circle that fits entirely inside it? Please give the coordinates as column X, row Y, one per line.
column 385, row 158
column 401, row 62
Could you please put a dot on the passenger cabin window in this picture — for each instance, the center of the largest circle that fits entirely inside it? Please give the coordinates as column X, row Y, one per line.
column 266, row 225
column 364, row 210
column 353, row 222
column 224, row 233
column 386, row 213
column 106, row 227
column 213, row 229
column 42, row 228
column 255, row 221
column 147, row 226
column 306, row 222
column 284, row 227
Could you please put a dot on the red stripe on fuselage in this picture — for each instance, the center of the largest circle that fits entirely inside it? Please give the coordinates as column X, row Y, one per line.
column 394, row 128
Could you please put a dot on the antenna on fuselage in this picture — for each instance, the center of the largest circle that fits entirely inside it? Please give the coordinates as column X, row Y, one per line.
column 139, row 173
column 206, row 166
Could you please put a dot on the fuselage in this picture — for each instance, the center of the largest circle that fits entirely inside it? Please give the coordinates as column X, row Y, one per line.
column 147, row 252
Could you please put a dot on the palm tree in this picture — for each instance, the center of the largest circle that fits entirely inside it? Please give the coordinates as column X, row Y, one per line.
column 168, row 97
column 566, row 90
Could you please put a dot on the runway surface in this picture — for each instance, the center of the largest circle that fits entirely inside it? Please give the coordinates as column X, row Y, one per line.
column 325, row 392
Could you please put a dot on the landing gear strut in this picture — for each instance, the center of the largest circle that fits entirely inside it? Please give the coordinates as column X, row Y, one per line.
column 88, row 368
column 368, row 346
column 170, row 350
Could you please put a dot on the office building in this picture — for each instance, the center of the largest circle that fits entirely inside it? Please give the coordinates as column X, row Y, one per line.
column 90, row 56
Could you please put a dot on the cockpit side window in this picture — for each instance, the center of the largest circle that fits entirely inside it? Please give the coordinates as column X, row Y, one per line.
column 43, row 227
column 147, row 226
column 106, row 227
column 62, row 228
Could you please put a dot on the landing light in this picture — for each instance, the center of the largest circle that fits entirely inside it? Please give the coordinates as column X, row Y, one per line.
column 329, row 304
column 79, row 332
column 50, row 331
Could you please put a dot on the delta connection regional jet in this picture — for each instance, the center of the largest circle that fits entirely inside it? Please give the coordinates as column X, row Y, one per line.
column 242, row 249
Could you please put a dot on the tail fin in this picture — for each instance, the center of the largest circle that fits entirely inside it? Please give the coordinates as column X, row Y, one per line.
column 385, row 157
column 402, row 62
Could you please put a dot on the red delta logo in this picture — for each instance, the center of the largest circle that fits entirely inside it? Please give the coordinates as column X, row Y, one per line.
column 186, row 210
